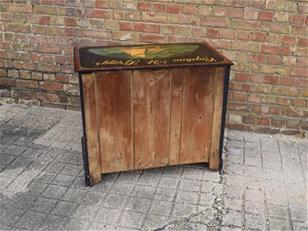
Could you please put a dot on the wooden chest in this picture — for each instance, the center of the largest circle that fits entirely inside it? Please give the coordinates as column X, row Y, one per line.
column 147, row 106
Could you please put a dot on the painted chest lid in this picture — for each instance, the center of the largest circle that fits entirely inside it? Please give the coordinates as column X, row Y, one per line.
column 147, row 56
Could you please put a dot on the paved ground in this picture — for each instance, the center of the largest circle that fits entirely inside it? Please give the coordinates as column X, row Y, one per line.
column 263, row 185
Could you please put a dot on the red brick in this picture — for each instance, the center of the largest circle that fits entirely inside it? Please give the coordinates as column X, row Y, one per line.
column 213, row 33
column 47, row 48
column 189, row 9
column 125, row 26
column 44, row 20
column 249, row 119
column 243, row 35
column 292, row 112
column 173, row 9
column 278, row 123
column 258, row 58
column 242, row 77
column 258, row 36
column 263, row 121
column 265, row 16
column 275, row 50
column 275, row 110
column 19, row 8
column 150, row 28
column 26, row 83
column 297, row 19
column 99, row 13
column 270, row 79
column 236, row 12
column 288, row 40
column 298, row 102
column 152, row 38
column 158, row 7
column 302, row 42
column 70, row 22
column 213, row 21
column 144, row 6
column 274, row 59
column 54, row 86
column 8, row 82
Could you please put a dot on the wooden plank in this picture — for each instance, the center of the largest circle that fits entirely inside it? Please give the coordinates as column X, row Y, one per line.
column 176, row 114
column 115, row 128
column 91, row 128
column 151, row 105
column 196, row 115
column 217, row 112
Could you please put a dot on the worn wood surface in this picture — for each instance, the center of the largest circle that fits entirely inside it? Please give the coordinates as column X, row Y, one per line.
column 151, row 106
column 196, row 115
column 113, row 92
column 177, row 76
column 217, row 112
column 94, row 156
column 150, row 118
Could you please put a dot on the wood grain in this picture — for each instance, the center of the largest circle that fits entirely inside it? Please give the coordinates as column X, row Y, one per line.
column 91, row 127
column 115, row 128
column 217, row 113
column 151, row 105
column 177, row 76
column 196, row 115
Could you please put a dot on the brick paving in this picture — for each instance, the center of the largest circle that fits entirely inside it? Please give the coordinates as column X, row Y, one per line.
column 262, row 186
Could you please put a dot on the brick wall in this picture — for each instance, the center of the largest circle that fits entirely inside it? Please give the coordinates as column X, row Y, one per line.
column 265, row 39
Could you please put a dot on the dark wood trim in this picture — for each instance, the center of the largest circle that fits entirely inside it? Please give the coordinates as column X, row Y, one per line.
column 78, row 68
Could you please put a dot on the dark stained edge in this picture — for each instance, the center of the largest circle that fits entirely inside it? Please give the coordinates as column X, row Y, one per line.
column 84, row 138
column 223, row 115
column 78, row 68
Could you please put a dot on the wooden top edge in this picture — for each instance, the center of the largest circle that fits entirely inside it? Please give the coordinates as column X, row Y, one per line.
column 83, row 62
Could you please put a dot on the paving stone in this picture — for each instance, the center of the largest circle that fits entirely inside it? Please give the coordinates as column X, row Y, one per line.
column 143, row 191
column 165, row 194
column 54, row 223
column 74, row 194
column 10, row 217
column 132, row 219
column 108, row 216
column 92, row 197
column 168, row 182
column 192, row 173
column 154, row 222
column 46, row 177
column 254, row 207
column 277, row 211
column 64, row 208
column 162, row 208
column 279, row 224
column 187, row 197
column 43, row 205
column 190, row 185
column 233, row 219
column 138, row 204
column 114, row 201
column 31, row 220
column 255, row 221
column 74, row 224
column 6, row 159
column 173, row 171
column 181, row 210
column 149, row 180
column 86, row 212
column 54, row 191
column 123, row 189
column 64, row 180
column 206, row 199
